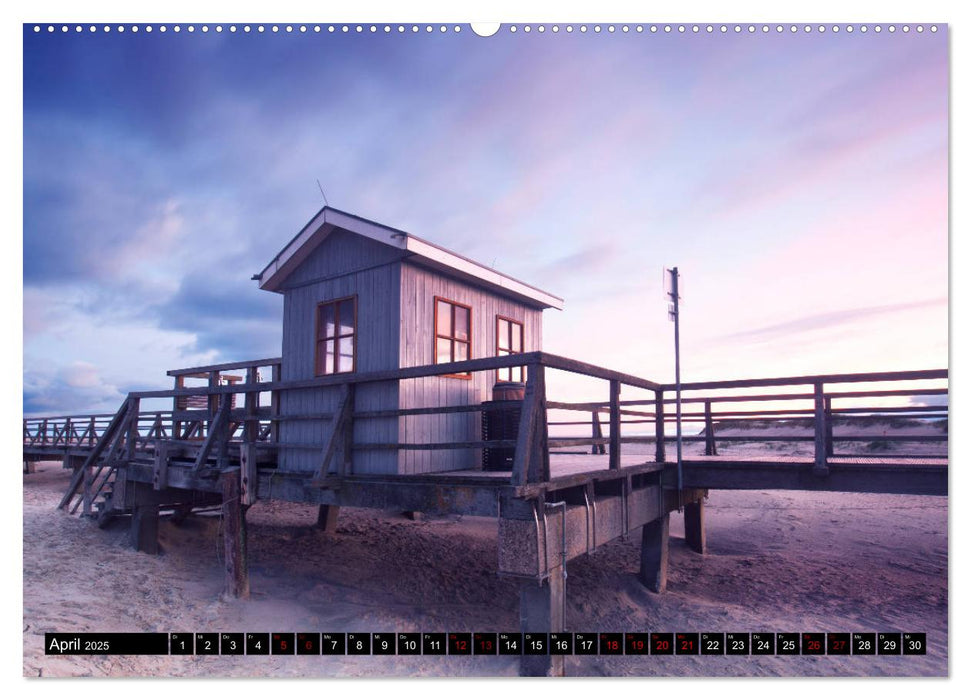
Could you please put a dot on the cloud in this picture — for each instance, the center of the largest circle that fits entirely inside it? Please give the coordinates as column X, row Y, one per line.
column 160, row 172
column 830, row 319
column 591, row 259
column 226, row 312
column 150, row 241
column 77, row 387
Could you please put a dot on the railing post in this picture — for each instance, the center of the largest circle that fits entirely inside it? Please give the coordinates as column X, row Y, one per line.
column 710, row 447
column 133, row 407
column 597, row 448
column 223, row 432
column 829, row 427
column 659, row 426
column 614, row 424
column 541, row 441
column 275, row 406
column 528, row 441
column 213, row 401
column 91, row 430
column 160, row 470
column 819, row 412
column 177, row 403
column 66, row 433
column 251, row 429
column 43, row 432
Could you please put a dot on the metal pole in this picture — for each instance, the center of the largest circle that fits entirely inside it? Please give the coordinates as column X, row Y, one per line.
column 677, row 375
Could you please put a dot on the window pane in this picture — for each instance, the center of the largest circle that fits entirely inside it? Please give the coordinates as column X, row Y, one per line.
column 325, row 357
column 504, row 374
column 321, row 367
column 461, row 351
column 443, row 325
column 345, row 359
column 504, row 334
column 346, row 314
column 461, row 323
column 517, row 338
column 329, row 354
column 516, row 374
column 325, row 322
column 443, row 350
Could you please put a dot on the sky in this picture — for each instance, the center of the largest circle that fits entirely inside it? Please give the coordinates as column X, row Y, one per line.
column 798, row 180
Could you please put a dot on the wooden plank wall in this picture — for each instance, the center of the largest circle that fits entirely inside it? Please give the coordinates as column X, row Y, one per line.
column 343, row 265
column 419, row 287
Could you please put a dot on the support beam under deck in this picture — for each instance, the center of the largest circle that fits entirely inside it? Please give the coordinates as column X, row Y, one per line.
column 234, row 537
column 541, row 610
column 694, row 526
column 654, row 554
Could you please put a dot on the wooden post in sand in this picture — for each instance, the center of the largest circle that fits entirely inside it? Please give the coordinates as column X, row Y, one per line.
column 654, row 554
column 541, row 610
column 234, row 537
column 327, row 518
column 694, row 526
column 143, row 534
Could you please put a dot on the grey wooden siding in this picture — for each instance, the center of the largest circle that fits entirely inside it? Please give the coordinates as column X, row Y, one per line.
column 419, row 287
column 343, row 265
column 341, row 253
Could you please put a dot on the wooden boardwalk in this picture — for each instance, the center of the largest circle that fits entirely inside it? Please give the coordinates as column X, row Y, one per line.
column 222, row 426
column 557, row 497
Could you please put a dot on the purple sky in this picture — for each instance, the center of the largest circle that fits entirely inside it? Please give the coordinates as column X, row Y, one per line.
column 799, row 181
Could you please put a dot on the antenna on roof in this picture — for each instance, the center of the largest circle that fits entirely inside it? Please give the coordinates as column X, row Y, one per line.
column 326, row 203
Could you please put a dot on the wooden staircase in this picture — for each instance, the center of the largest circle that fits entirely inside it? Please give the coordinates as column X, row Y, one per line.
column 97, row 472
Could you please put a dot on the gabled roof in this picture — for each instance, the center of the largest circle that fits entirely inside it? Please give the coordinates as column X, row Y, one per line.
column 417, row 249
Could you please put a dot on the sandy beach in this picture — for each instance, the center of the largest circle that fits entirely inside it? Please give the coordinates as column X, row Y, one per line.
column 777, row 561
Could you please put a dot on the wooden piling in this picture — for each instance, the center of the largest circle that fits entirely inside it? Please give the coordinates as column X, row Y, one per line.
column 234, row 537
column 144, row 528
column 654, row 554
column 143, row 533
column 249, row 476
column 541, row 610
column 327, row 518
column 694, row 526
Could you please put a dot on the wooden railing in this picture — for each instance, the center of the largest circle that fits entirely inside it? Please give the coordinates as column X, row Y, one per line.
column 809, row 414
column 227, row 429
column 64, row 432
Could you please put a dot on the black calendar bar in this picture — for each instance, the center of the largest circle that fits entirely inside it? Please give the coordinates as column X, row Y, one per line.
column 875, row 644
column 107, row 643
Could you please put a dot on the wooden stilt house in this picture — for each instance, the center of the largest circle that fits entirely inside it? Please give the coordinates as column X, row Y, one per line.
column 363, row 297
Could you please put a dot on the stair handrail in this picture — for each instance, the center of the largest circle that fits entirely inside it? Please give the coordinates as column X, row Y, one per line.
column 99, row 447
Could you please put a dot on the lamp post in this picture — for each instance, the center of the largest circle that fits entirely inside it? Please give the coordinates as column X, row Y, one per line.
column 672, row 287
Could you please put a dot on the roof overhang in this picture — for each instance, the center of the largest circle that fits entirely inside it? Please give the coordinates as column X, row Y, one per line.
column 419, row 250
